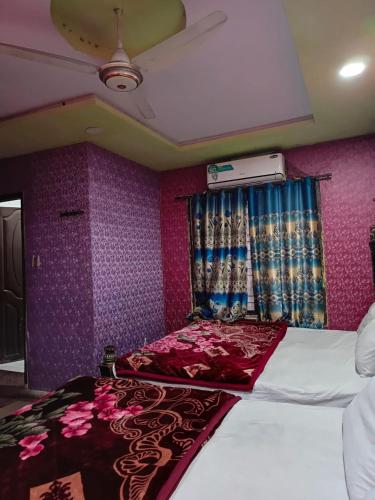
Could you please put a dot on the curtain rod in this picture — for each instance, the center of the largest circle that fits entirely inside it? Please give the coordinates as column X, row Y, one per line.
column 322, row 177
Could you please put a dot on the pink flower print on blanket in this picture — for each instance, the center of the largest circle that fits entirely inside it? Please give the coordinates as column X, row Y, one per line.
column 202, row 328
column 133, row 411
column 105, row 400
column 111, row 413
column 31, row 452
column 23, row 409
column 167, row 343
column 71, row 415
column 198, row 337
column 103, row 389
column 203, row 343
column 31, row 445
column 76, row 430
column 209, row 326
column 81, row 406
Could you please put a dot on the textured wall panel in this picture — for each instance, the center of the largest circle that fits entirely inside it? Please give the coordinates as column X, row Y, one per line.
column 175, row 241
column 100, row 279
column 58, row 294
column 126, row 252
column 347, row 212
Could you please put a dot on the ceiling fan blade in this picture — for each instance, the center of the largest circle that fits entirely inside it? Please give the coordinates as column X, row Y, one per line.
column 178, row 45
column 47, row 58
column 144, row 107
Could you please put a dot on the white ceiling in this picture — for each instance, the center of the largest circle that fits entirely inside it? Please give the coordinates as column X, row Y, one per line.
column 246, row 76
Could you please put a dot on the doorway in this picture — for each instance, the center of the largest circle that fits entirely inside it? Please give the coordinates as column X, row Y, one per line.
column 12, row 296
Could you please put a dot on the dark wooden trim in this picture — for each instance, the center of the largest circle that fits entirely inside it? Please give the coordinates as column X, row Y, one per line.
column 10, row 197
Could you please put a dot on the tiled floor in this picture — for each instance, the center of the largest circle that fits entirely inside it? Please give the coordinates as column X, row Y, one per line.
column 14, row 366
column 13, row 397
column 13, row 391
column 11, row 378
column 11, row 407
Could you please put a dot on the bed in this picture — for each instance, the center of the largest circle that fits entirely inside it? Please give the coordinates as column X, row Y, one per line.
column 267, row 451
column 314, row 367
column 207, row 354
column 299, row 365
column 149, row 442
column 106, row 439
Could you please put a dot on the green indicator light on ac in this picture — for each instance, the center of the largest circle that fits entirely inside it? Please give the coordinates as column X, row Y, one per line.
column 219, row 168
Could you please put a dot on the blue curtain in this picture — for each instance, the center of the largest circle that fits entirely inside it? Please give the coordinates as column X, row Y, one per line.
column 286, row 252
column 219, row 244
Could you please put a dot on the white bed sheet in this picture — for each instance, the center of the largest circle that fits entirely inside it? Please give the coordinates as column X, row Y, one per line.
column 267, row 451
column 314, row 367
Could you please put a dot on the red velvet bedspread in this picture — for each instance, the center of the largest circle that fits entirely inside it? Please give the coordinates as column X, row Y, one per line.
column 207, row 353
column 106, row 439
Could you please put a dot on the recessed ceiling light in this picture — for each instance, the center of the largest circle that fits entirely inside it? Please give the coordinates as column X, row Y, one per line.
column 94, row 130
column 352, row 69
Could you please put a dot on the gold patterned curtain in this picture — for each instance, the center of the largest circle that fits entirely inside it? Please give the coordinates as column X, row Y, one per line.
column 286, row 252
column 219, row 259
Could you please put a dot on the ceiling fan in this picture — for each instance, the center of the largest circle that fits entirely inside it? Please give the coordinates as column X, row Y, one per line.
column 122, row 74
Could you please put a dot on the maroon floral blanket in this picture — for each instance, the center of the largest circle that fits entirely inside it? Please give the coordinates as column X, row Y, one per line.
column 106, row 439
column 207, row 353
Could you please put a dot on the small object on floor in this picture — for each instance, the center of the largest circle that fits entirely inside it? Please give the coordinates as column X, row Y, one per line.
column 109, row 354
column 109, row 358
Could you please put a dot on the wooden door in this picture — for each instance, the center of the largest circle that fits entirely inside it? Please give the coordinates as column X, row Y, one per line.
column 11, row 286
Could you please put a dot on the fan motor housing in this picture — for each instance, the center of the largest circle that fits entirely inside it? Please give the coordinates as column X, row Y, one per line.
column 120, row 76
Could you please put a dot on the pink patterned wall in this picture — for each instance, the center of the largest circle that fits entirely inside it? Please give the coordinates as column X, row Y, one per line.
column 175, row 237
column 347, row 212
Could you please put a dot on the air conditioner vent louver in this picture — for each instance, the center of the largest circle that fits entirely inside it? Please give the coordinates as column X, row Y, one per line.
column 246, row 171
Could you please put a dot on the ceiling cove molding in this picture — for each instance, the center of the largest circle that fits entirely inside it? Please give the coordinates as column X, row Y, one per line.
column 65, row 122
column 236, row 133
column 45, row 109
column 70, row 104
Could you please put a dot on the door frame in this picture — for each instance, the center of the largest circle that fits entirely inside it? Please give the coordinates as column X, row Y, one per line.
column 10, row 197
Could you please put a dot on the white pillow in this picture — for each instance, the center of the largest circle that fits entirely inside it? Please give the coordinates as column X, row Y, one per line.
column 365, row 351
column 359, row 444
column 369, row 316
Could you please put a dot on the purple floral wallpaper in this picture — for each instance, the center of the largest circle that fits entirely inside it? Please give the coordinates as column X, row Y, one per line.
column 126, row 252
column 100, row 279
column 347, row 213
column 58, row 295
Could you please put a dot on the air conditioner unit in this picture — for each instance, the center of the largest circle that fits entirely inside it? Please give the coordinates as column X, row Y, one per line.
column 246, row 171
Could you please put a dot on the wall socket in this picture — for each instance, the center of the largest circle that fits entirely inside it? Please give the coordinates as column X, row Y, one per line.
column 35, row 261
